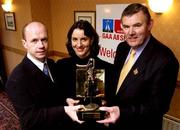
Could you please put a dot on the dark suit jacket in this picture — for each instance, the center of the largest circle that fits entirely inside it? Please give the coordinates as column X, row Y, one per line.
column 35, row 97
column 147, row 90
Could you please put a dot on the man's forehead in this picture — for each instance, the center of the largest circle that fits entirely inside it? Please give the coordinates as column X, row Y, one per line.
column 34, row 26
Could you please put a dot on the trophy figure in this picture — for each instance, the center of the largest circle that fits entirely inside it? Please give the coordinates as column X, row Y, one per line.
column 90, row 90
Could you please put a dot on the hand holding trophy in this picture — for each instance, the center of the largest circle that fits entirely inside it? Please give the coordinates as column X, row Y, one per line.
column 90, row 90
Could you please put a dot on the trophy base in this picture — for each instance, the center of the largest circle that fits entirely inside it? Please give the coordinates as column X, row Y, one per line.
column 91, row 115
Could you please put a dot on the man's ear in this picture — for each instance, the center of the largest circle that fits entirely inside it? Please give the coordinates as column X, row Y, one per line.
column 24, row 43
column 151, row 22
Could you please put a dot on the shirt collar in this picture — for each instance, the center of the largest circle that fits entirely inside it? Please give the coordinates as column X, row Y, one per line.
column 38, row 63
column 141, row 48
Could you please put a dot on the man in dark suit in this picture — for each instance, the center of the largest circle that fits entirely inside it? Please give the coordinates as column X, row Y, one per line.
column 144, row 96
column 34, row 94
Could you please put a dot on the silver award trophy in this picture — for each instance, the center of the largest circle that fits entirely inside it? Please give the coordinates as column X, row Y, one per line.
column 90, row 85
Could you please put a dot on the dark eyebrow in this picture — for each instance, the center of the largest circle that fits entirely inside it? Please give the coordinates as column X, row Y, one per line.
column 137, row 24
column 34, row 40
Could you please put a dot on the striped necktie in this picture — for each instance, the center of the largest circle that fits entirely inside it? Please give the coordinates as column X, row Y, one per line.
column 45, row 69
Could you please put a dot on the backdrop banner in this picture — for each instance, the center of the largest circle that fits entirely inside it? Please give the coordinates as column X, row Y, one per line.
column 108, row 27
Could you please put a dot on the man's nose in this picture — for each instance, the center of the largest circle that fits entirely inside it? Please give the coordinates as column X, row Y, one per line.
column 131, row 31
column 40, row 43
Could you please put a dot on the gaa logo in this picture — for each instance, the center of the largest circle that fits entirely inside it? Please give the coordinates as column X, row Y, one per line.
column 112, row 26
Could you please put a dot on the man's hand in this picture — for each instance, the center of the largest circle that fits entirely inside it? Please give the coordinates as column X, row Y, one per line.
column 71, row 102
column 113, row 114
column 71, row 111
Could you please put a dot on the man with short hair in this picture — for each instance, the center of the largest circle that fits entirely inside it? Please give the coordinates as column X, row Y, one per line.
column 35, row 95
column 143, row 97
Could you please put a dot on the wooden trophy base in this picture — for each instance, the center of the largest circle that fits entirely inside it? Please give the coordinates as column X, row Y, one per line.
column 91, row 115
column 91, row 112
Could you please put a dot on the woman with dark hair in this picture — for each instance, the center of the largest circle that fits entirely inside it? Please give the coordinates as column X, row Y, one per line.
column 89, row 32
column 82, row 45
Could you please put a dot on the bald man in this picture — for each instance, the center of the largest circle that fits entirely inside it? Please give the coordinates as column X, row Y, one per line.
column 35, row 95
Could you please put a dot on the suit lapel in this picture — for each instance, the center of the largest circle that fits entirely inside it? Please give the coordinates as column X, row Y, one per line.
column 35, row 71
column 52, row 66
column 139, row 66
